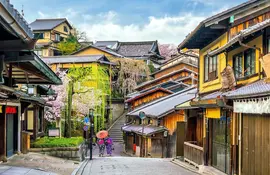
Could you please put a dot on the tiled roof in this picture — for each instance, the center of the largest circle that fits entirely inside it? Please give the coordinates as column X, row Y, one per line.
column 136, row 49
column 75, row 59
column 147, row 130
column 165, row 105
column 211, row 95
column 243, row 33
column 164, row 76
column 107, row 50
column 259, row 88
column 17, row 17
column 149, row 92
column 47, row 24
column 107, row 44
column 256, row 89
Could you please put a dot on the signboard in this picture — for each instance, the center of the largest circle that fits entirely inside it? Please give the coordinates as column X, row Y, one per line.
column 142, row 115
column 54, row 132
column 86, row 122
column 11, row 110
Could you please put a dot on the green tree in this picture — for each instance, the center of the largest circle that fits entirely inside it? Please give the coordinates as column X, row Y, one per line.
column 72, row 42
column 69, row 45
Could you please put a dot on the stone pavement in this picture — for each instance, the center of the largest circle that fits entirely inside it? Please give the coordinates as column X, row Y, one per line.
column 36, row 161
column 8, row 170
column 121, row 164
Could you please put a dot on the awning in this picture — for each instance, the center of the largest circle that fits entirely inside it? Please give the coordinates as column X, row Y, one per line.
column 210, row 103
column 30, row 69
column 147, row 129
column 185, row 105
column 252, row 105
column 240, row 36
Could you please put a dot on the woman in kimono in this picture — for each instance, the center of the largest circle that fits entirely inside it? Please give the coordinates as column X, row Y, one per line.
column 101, row 146
column 109, row 143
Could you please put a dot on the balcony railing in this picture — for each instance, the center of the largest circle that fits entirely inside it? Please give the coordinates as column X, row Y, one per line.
column 193, row 153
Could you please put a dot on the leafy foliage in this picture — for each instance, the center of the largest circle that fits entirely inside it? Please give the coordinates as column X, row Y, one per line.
column 51, row 142
column 71, row 43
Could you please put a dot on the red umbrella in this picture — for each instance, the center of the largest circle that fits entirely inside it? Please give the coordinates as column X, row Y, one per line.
column 102, row 134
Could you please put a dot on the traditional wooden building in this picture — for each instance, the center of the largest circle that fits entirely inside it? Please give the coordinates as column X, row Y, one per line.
column 232, row 89
column 186, row 59
column 148, row 96
column 19, row 65
column 49, row 32
column 160, row 113
column 183, row 75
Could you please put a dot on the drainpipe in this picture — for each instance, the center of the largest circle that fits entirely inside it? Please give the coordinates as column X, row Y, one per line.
column 255, row 48
column 240, row 144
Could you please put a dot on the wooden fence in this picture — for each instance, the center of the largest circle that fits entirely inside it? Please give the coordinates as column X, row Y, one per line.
column 193, row 153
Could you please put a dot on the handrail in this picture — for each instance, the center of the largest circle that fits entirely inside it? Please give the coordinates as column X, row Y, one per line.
column 194, row 146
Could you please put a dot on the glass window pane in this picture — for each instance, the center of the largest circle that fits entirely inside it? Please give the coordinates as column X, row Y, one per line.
column 210, row 64
column 205, row 68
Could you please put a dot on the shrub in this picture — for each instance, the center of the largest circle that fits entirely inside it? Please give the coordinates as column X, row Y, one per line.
column 50, row 142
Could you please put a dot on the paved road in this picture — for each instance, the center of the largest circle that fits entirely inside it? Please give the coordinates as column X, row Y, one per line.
column 120, row 165
column 8, row 170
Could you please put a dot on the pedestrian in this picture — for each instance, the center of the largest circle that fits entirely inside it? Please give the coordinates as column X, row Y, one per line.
column 101, row 146
column 109, row 145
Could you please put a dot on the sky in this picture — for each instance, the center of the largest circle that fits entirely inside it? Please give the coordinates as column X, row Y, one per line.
column 168, row 21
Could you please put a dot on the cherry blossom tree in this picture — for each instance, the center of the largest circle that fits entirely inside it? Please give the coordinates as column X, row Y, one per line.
column 167, row 50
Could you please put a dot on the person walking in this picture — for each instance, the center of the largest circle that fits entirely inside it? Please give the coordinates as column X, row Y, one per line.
column 109, row 144
column 101, row 146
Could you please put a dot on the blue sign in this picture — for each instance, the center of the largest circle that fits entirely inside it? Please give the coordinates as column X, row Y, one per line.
column 142, row 115
column 86, row 121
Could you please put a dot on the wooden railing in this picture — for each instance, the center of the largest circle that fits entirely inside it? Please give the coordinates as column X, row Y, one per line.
column 193, row 153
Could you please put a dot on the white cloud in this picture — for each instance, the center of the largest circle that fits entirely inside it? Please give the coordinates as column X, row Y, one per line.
column 105, row 26
column 165, row 30
column 42, row 15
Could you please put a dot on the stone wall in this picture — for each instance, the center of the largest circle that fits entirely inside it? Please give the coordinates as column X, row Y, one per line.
column 118, row 107
column 73, row 153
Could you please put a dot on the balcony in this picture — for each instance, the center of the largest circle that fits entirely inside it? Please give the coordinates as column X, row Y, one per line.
column 193, row 153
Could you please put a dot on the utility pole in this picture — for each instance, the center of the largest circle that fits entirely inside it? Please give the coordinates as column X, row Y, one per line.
column 91, row 116
column 70, row 93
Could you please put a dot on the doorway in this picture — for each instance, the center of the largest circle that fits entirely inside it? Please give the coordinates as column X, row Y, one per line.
column 221, row 143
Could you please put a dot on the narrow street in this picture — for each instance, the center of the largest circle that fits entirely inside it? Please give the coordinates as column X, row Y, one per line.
column 124, row 165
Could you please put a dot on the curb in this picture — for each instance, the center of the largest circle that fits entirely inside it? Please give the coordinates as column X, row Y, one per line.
column 184, row 166
column 78, row 171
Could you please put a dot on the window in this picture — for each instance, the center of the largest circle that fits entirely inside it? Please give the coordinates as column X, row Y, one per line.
column 57, row 37
column 210, row 68
column 65, row 29
column 249, row 62
column 39, row 35
column 237, row 66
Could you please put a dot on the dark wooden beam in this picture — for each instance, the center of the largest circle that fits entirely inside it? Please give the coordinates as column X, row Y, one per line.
column 10, row 75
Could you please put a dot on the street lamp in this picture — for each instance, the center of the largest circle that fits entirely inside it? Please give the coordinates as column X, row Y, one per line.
column 142, row 117
column 91, row 116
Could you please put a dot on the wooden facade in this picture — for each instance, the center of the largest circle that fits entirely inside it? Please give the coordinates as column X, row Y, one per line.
column 170, row 120
column 172, row 76
column 148, row 97
column 175, row 67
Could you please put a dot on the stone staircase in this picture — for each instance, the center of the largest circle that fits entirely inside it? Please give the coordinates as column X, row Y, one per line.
column 115, row 131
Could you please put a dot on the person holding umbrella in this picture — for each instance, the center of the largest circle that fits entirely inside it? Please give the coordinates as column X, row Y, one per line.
column 101, row 142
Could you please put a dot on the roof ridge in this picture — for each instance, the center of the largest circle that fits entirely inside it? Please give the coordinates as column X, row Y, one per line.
column 66, row 56
column 48, row 19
